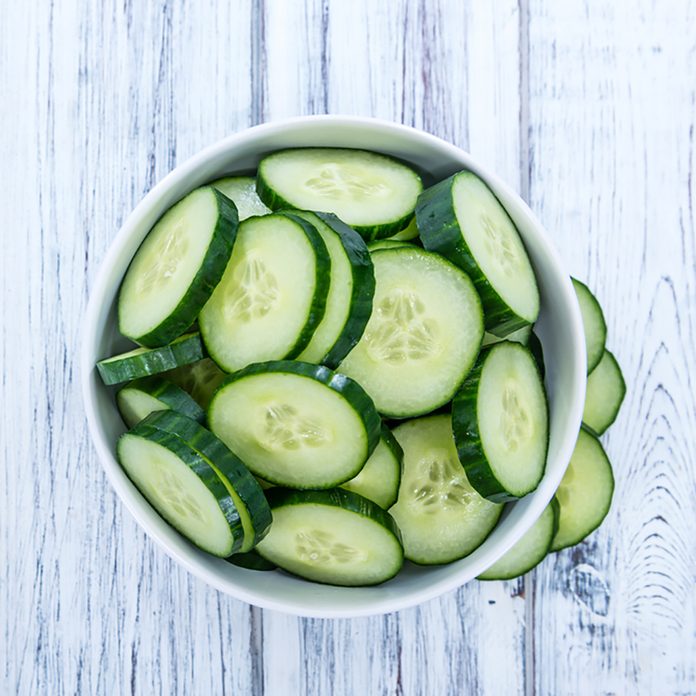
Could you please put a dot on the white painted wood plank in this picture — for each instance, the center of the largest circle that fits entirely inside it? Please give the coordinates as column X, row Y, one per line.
column 611, row 104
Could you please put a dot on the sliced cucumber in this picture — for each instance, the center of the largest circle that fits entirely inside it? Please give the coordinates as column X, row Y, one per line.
column 251, row 560
column 335, row 537
column 177, row 267
column 241, row 190
column 408, row 234
column 296, row 424
column 184, row 489
column 423, row 335
column 349, row 297
column 142, row 362
column 440, row 515
column 199, row 379
column 585, row 492
column 463, row 220
column 520, row 336
column 143, row 396
column 380, row 477
column 593, row 324
column 386, row 244
column 537, row 350
column 501, row 423
column 605, row 394
column 530, row 550
column 374, row 194
column 261, row 310
column 241, row 486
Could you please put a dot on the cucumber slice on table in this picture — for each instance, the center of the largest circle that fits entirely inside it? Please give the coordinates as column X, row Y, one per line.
column 183, row 487
column 142, row 362
column 380, row 477
column 242, row 487
column 585, row 492
column 143, row 396
column 349, row 297
column 177, row 267
column 530, row 550
column 335, row 537
column 423, row 335
column 251, row 560
column 373, row 193
column 462, row 219
column 260, row 310
column 500, row 419
column 199, row 379
column 296, row 424
column 441, row 517
column 241, row 190
column 593, row 323
column 605, row 394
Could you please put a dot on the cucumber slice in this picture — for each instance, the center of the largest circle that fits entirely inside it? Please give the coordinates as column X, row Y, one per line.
column 349, row 297
column 142, row 362
column 374, row 194
column 537, row 350
column 520, row 336
column 241, row 190
column 605, row 394
column 251, row 560
column 380, row 477
column 593, row 323
column 462, row 219
column 260, row 311
column 143, row 396
column 183, row 488
column 408, row 234
column 441, row 517
column 177, row 267
column 335, row 537
column 423, row 335
column 386, row 244
column 296, row 424
column 585, row 492
column 242, row 487
column 501, row 423
column 199, row 379
column 530, row 550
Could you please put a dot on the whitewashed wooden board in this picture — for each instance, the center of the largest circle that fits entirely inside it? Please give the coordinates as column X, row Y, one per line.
column 588, row 108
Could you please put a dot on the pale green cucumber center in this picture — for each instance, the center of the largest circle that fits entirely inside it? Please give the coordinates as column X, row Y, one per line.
column 379, row 478
column 605, row 390
column 199, row 379
column 242, row 191
column 135, row 404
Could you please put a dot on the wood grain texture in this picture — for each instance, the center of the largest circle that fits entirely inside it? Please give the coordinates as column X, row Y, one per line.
column 587, row 108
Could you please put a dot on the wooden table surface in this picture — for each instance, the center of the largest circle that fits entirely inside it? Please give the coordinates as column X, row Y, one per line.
column 588, row 108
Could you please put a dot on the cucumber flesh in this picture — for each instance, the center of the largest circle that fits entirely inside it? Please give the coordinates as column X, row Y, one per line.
column 241, row 190
column 605, row 394
column 594, row 325
column 199, row 379
column 530, row 550
column 335, row 537
column 585, row 492
column 440, row 515
column 408, row 234
column 520, row 336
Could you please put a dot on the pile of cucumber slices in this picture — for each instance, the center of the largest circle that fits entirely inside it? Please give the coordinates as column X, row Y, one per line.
column 336, row 370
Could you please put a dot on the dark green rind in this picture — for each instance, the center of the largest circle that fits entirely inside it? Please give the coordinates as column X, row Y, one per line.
column 350, row 390
column 251, row 560
column 617, row 397
column 181, row 351
column 580, row 287
column 591, row 528
column 368, row 232
column 535, row 560
column 204, row 282
column 537, row 350
column 201, row 468
column 224, row 462
column 440, row 232
column 363, row 286
column 169, row 394
column 391, row 442
column 467, row 437
column 346, row 500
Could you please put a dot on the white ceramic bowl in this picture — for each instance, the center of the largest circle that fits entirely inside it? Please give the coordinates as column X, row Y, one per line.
column 559, row 329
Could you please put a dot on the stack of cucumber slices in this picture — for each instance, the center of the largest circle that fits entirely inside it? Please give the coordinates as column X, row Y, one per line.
column 336, row 371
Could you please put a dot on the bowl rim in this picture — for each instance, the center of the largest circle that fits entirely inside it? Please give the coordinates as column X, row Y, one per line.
column 102, row 281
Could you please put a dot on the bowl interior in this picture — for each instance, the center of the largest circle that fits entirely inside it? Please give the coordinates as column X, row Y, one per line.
column 559, row 328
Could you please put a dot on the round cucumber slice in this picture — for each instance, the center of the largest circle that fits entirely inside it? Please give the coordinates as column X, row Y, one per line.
column 241, row 190
column 593, row 323
column 143, row 396
column 605, row 394
column 423, row 336
column 296, row 424
column 177, row 267
column 334, row 537
column 199, row 379
column 440, row 515
column 501, row 423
